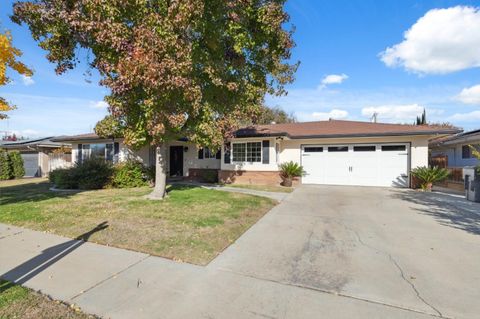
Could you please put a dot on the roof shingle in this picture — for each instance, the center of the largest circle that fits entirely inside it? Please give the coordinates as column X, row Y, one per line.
column 340, row 128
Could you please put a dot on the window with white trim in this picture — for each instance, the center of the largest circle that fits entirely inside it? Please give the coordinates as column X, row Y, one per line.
column 247, row 152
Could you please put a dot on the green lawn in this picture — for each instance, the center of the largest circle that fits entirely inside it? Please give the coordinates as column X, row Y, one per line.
column 20, row 302
column 193, row 224
column 265, row 188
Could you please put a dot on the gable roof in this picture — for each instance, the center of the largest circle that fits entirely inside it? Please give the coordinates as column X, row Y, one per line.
column 37, row 142
column 340, row 128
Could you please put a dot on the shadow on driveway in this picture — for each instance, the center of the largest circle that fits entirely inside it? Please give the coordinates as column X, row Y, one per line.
column 32, row 267
column 448, row 210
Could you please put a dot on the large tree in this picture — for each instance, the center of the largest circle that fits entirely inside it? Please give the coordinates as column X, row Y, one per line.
column 269, row 115
column 9, row 59
column 175, row 68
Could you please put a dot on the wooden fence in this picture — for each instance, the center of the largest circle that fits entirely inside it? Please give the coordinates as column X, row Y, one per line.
column 56, row 161
column 439, row 161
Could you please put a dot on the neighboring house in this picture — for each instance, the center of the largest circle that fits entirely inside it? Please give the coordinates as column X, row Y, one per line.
column 454, row 150
column 35, row 154
column 332, row 152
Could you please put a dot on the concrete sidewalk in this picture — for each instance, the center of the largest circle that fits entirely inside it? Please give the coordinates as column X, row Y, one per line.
column 117, row 283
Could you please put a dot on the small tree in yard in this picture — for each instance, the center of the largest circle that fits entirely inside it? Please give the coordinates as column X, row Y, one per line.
column 175, row 68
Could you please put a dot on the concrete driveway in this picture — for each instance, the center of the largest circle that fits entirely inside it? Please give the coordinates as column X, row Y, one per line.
column 323, row 252
column 393, row 247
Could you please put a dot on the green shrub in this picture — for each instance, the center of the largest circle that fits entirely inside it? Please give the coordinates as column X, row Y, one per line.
column 476, row 154
column 64, row 178
column 16, row 160
column 429, row 175
column 291, row 170
column 93, row 173
column 130, row 174
column 5, row 166
column 89, row 174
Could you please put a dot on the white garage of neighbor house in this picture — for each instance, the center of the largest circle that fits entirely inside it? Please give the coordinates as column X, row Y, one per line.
column 332, row 152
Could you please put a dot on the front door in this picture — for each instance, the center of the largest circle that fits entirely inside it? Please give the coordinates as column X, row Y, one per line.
column 176, row 161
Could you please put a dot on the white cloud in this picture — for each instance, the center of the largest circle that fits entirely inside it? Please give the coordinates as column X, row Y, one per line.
column 99, row 104
column 465, row 117
column 322, row 116
column 394, row 113
column 470, row 95
column 75, row 113
column 442, row 41
column 333, row 79
column 27, row 80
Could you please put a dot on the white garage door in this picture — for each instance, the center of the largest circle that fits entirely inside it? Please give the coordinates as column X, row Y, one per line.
column 30, row 163
column 358, row 164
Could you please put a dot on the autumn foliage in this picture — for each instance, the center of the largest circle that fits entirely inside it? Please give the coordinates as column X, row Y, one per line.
column 8, row 59
column 175, row 68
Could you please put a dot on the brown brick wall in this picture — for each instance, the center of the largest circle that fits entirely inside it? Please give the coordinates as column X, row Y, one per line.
column 251, row 177
column 204, row 175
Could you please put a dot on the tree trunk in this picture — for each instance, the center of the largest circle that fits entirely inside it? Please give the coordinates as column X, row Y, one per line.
column 159, row 190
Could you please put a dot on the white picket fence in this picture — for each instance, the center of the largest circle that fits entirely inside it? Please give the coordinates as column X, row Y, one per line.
column 56, row 161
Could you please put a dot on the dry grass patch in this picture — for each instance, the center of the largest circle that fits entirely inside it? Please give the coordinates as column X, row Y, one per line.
column 193, row 224
column 20, row 302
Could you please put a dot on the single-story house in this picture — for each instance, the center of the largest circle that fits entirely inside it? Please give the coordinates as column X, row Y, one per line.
column 455, row 150
column 35, row 153
column 332, row 152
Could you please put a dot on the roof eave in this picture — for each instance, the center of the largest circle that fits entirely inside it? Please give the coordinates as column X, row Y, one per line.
column 425, row 133
column 310, row 136
column 262, row 135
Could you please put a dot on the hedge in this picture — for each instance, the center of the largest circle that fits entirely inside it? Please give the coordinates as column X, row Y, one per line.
column 11, row 165
column 96, row 174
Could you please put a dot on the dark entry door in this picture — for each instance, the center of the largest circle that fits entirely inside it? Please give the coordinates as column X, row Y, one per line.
column 176, row 160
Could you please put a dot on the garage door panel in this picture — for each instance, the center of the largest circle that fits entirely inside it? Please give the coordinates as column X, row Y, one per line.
column 337, row 170
column 364, row 168
column 315, row 162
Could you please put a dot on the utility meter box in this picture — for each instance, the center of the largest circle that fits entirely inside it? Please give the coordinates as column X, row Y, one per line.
column 472, row 184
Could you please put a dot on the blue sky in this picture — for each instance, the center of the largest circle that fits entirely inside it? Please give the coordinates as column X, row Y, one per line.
column 357, row 57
